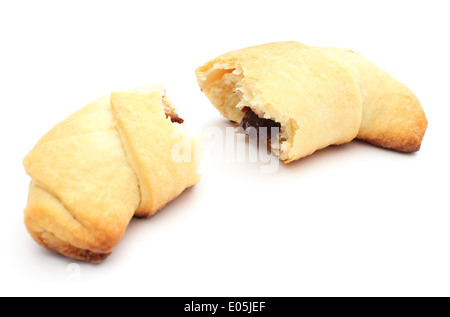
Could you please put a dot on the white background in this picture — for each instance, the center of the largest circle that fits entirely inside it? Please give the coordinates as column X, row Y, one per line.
column 348, row 220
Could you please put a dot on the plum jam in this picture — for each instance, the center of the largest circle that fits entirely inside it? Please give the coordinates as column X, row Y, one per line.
column 174, row 118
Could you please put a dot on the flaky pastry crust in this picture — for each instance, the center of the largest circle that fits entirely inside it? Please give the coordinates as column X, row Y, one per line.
column 106, row 163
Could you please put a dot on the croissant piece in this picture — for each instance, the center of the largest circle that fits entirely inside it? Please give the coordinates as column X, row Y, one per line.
column 106, row 163
column 318, row 96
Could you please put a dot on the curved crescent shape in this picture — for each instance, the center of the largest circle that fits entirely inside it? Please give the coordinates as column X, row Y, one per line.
column 103, row 165
column 320, row 97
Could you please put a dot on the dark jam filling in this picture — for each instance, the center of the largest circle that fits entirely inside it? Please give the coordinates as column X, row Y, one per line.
column 174, row 117
column 251, row 122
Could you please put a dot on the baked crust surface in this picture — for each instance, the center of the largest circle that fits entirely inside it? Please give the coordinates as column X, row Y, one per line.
column 103, row 165
column 320, row 96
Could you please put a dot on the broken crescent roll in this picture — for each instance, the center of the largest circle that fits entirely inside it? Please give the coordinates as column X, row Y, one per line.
column 104, row 164
column 318, row 97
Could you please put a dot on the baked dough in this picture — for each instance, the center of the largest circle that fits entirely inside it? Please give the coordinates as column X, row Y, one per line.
column 320, row 96
column 105, row 163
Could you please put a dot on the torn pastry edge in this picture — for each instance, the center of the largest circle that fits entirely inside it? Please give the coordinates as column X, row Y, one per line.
column 230, row 91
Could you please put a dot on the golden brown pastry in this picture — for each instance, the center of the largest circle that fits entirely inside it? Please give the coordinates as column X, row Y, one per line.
column 105, row 163
column 318, row 97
